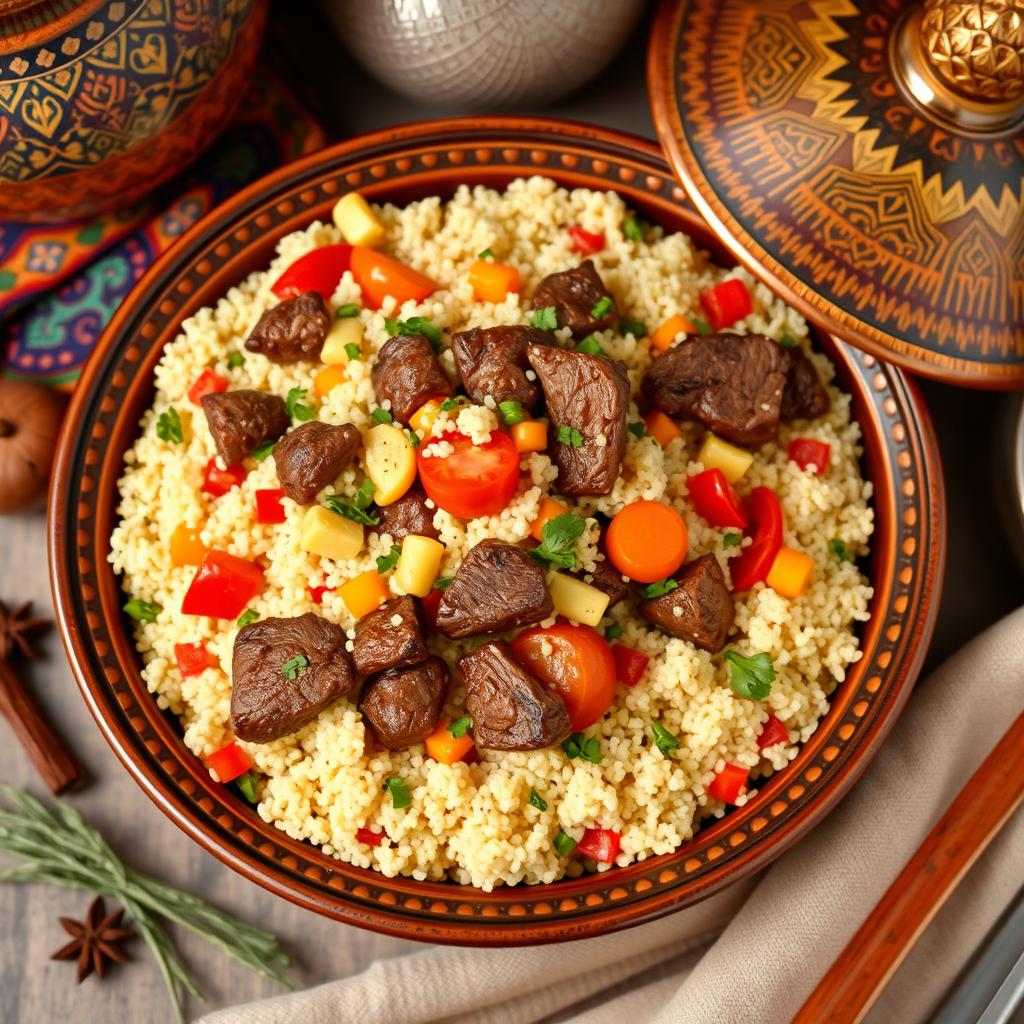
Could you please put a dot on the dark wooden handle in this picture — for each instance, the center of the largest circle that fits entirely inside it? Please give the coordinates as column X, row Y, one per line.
column 59, row 770
column 871, row 957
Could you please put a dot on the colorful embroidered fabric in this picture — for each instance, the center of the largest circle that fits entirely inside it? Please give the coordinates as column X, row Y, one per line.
column 60, row 284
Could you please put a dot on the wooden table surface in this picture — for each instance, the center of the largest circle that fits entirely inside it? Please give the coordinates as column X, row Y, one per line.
column 35, row 990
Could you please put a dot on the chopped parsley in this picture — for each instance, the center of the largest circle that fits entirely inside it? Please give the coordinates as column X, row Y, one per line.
column 536, row 800
column 701, row 325
column 416, row 325
column 591, row 346
column 385, row 563
column 751, row 675
column 296, row 405
column 579, row 744
column 485, row 255
column 731, row 540
column 247, row 617
column 663, row 739
column 235, row 360
column 602, row 307
column 168, row 427
column 141, row 611
column 558, row 539
column 414, row 438
column 570, row 436
column 546, row 318
column 460, row 726
column 660, row 588
column 564, row 843
column 400, row 796
column 353, row 351
column 443, row 582
column 293, row 666
column 839, row 549
column 634, row 327
column 350, row 309
column 613, row 631
column 381, row 415
column 247, row 786
column 638, row 430
column 449, row 404
column 511, row 411
column 634, row 228
column 264, row 450
column 787, row 341
column 356, row 508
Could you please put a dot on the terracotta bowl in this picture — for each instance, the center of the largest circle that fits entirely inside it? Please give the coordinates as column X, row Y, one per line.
column 400, row 165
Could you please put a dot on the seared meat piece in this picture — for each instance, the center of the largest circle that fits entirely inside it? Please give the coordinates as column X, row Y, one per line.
column 408, row 515
column 312, row 455
column 804, row 396
column 704, row 602
column 574, row 293
column 240, row 421
column 492, row 361
column 382, row 643
column 403, row 705
column 408, row 374
column 284, row 672
column 511, row 709
column 588, row 394
column 732, row 383
column 498, row 587
column 607, row 579
column 292, row 330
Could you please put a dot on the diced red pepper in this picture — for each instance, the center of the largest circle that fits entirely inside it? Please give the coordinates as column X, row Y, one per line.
column 268, row 506
column 207, row 383
column 725, row 303
column 586, row 242
column 715, row 500
column 379, row 275
column 217, row 481
column 193, row 658
column 223, row 586
column 430, row 605
column 368, row 836
column 316, row 594
column 755, row 561
column 630, row 665
column 772, row 732
column 729, row 783
column 229, row 762
column 600, row 843
column 810, row 454
column 318, row 271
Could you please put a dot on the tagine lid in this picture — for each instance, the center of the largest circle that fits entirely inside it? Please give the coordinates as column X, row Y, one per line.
column 865, row 159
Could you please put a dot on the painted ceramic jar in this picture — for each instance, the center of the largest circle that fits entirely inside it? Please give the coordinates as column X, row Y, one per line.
column 102, row 100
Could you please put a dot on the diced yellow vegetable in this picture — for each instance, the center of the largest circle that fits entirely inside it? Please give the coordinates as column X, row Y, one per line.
column 718, row 454
column 577, row 600
column 348, row 331
column 329, row 535
column 418, row 564
column 790, row 572
column 355, row 220
column 390, row 461
column 365, row 593
column 425, row 416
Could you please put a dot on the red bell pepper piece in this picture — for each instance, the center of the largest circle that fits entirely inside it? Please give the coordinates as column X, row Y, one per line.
column 430, row 605
column 772, row 732
column 715, row 500
column 729, row 783
column 318, row 271
column 229, row 762
column 193, row 658
column 630, row 665
column 217, row 481
column 755, row 561
column 810, row 454
column 316, row 594
column 207, row 383
column 586, row 242
column 368, row 836
column 268, row 506
column 223, row 586
column 600, row 843
column 379, row 275
column 725, row 303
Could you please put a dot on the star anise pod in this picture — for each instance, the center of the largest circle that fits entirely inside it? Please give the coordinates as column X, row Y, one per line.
column 14, row 629
column 95, row 941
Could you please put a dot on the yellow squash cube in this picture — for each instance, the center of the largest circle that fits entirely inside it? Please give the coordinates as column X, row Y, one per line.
column 342, row 334
column 329, row 535
column 424, row 418
column 718, row 454
column 390, row 461
column 356, row 221
column 418, row 564
column 577, row 600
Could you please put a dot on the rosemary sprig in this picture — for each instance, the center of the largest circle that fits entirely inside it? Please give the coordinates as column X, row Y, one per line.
column 57, row 846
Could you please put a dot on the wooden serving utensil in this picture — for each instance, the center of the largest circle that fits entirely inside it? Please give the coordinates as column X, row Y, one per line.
column 54, row 762
column 853, row 983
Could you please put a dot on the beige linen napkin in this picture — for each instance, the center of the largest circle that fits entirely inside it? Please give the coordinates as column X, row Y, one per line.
column 752, row 953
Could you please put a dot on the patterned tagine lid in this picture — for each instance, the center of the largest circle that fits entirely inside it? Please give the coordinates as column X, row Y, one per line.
column 865, row 158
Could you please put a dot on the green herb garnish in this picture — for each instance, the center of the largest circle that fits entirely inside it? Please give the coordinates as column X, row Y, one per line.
column 602, row 307
column 443, row 582
column 731, row 540
column 546, row 318
column 613, row 631
column 460, row 726
column 449, row 404
column 294, row 665
column 634, row 228
column 247, row 786
column 558, row 539
column 536, row 800
column 297, row 407
column 787, row 341
column 235, row 360
column 381, row 415
column 570, row 436
column 168, row 427
column 356, row 508
column 264, row 450
column 400, row 796
column 634, row 327
column 660, row 588
column 350, row 309
column 511, row 411
column 839, row 549
column 564, row 843
column 416, row 325
column 751, row 675
column 580, row 745
column 701, row 325
column 638, row 430
column 385, row 563
column 353, row 351
column 591, row 346
column 248, row 616
column 663, row 739
column 414, row 438
column 141, row 611
column 485, row 255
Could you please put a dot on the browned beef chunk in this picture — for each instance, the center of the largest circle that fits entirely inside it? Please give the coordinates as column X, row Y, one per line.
column 511, row 709
column 590, row 395
column 312, row 455
column 731, row 383
column 292, row 330
column 284, row 672
column 382, row 642
column 704, row 603
column 607, row 579
column 240, row 421
column 403, row 705
column 492, row 361
column 498, row 587
column 574, row 293
column 408, row 515
column 407, row 373
column 804, row 396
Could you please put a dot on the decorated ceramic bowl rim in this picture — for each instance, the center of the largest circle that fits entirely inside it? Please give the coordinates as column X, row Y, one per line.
column 406, row 163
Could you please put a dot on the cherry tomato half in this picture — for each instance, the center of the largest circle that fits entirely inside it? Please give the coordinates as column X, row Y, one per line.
column 580, row 667
column 475, row 479
column 764, row 514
